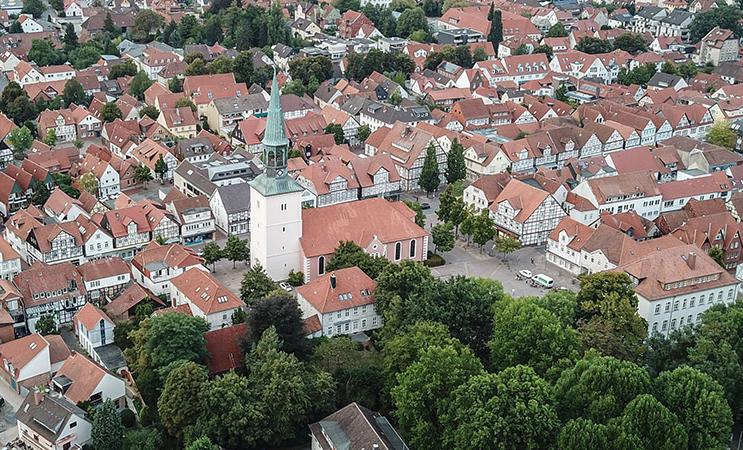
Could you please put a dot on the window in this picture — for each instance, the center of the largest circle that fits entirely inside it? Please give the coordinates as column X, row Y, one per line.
column 321, row 265
column 657, row 309
column 655, row 326
column 412, row 250
column 676, row 305
column 692, row 302
column 701, row 300
column 398, row 251
column 665, row 325
column 73, row 424
column 673, row 324
column 668, row 306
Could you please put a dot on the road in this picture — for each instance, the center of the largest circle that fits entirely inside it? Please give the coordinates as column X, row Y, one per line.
column 8, row 429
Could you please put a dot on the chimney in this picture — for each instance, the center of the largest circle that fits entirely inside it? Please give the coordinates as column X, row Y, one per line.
column 38, row 396
column 333, row 282
column 691, row 260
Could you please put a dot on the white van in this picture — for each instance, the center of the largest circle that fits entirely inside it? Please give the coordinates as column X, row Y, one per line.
column 543, row 280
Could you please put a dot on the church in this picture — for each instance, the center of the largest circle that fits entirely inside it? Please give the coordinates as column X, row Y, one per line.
column 284, row 237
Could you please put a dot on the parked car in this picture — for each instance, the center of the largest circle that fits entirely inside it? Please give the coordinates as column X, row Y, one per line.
column 285, row 286
column 425, row 206
column 524, row 274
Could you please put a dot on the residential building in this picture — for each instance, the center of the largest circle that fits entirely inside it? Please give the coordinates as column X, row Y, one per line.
column 356, row 427
column 31, row 360
column 206, row 297
column 105, row 278
column 342, row 300
column 194, row 215
column 51, row 422
column 718, row 46
column 57, row 290
column 230, row 206
column 93, row 329
column 156, row 265
column 525, row 212
column 80, row 380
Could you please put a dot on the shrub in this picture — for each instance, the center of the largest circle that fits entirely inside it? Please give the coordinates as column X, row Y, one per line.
column 434, row 260
column 128, row 419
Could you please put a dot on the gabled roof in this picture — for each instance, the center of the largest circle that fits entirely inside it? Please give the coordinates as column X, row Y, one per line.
column 205, row 292
column 89, row 315
column 353, row 288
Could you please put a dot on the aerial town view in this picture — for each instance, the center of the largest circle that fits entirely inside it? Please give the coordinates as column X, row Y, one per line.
column 371, row 224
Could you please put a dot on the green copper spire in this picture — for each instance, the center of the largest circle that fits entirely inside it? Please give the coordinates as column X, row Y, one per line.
column 274, row 136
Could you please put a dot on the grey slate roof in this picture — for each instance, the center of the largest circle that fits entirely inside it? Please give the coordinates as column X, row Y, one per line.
column 235, row 197
column 355, row 427
column 677, row 17
column 49, row 416
column 250, row 102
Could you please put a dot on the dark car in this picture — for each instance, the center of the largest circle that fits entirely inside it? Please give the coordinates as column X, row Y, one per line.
column 425, row 206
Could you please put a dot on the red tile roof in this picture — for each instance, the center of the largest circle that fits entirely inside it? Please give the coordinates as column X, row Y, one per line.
column 224, row 350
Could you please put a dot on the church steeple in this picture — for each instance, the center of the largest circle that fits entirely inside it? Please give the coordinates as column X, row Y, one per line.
column 275, row 143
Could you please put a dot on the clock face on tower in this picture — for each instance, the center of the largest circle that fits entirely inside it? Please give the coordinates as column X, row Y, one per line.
column 279, row 172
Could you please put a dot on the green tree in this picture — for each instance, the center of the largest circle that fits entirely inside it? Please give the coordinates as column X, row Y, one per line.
column 442, row 235
column 107, row 431
column 70, row 38
column 429, row 177
column 46, row 325
column 202, row 443
column 593, row 46
column 84, row 56
column 546, row 49
column 110, row 112
column 506, row 244
column 584, row 434
column 43, row 53
column 721, row 134
column 34, row 7
column 142, row 174
column 177, row 406
column 213, row 30
column 336, row 130
column 256, row 284
column 400, row 281
column 424, row 392
column 726, row 17
column 110, row 27
column 496, row 28
column 140, row 82
column 607, row 316
column 669, row 352
column 223, row 64
column 639, row 75
column 197, row 67
column 51, row 137
column 483, row 228
column 243, row 67
column 525, row 333
column 557, row 30
column 349, row 254
column 512, row 409
column 718, row 254
column 345, row 5
column 212, row 254
column 420, row 217
column 161, row 168
column 455, row 167
column 73, row 92
column 175, row 85
column 146, row 23
column 236, row 249
column 291, row 393
column 231, row 415
column 403, row 349
column 699, row 403
column 463, row 304
column 599, row 387
column 653, row 424
column 20, row 140
column 413, row 19
column 41, row 194
column 304, row 69
column 125, row 69
column 150, row 111
column 363, row 132
column 631, row 43
column 143, row 439
column 89, row 183
column 280, row 311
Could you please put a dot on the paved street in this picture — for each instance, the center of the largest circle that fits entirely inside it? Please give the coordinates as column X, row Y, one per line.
column 8, row 430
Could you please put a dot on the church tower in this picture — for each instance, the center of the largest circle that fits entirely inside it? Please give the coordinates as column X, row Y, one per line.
column 275, row 201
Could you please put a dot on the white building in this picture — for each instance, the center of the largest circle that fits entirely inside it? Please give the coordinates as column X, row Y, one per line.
column 342, row 300
column 206, row 297
column 156, row 265
column 632, row 191
column 275, row 202
column 51, row 422
column 94, row 329
column 675, row 286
